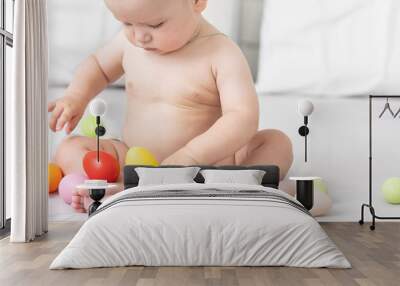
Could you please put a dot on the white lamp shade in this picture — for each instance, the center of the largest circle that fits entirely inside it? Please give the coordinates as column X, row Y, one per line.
column 305, row 107
column 98, row 107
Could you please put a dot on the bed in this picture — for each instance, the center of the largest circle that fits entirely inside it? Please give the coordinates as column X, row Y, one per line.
column 201, row 224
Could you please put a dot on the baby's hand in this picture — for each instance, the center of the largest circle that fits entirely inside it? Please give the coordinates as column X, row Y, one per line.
column 66, row 110
column 180, row 157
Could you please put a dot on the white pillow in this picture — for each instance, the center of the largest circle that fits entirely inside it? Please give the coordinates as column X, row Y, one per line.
column 162, row 176
column 248, row 177
column 330, row 48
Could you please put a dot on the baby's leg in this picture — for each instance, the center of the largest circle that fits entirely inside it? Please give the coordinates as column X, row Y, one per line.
column 69, row 155
column 267, row 147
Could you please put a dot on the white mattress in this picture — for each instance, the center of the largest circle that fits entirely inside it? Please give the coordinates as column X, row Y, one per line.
column 183, row 231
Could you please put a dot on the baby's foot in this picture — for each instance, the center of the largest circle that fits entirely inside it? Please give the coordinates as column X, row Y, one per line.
column 81, row 199
column 78, row 196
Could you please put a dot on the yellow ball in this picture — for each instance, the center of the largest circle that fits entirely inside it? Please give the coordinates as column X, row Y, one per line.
column 54, row 177
column 140, row 156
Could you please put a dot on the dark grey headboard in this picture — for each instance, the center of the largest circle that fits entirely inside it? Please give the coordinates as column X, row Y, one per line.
column 270, row 179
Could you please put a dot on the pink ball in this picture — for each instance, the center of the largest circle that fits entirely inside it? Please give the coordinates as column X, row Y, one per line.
column 68, row 185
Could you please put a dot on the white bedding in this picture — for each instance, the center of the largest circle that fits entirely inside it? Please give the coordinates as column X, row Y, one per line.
column 185, row 230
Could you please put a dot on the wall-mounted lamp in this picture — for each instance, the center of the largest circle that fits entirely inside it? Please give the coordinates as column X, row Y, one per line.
column 98, row 108
column 305, row 108
column 97, row 188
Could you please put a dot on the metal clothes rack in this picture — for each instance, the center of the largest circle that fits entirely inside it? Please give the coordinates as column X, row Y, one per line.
column 369, row 205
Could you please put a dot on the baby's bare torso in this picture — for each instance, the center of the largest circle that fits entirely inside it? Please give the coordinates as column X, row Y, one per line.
column 171, row 98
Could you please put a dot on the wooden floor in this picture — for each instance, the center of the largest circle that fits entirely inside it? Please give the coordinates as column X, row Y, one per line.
column 375, row 257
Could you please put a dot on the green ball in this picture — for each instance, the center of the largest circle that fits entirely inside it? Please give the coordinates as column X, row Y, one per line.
column 391, row 190
column 320, row 185
column 88, row 125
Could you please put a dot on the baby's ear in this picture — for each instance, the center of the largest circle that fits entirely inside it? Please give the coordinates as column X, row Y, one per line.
column 200, row 5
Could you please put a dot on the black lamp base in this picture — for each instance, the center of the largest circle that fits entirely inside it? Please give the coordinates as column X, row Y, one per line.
column 96, row 195
column 305, row 193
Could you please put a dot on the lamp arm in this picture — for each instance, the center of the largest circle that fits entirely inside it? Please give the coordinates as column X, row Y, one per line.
column 305, row 148
column 98, row 137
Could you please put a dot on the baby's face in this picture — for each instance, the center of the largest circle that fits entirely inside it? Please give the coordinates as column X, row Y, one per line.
column 160, row 26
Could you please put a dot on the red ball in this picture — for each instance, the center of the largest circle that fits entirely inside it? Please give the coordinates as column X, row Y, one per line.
column 107, row 168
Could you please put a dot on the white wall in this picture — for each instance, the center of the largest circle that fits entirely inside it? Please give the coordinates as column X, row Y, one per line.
column 338, row 149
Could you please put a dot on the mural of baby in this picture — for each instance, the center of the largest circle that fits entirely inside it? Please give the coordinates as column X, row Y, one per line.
column 190, row 94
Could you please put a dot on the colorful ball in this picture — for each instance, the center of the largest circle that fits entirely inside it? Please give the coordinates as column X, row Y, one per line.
column 322, row 203
column 68, row 185
column 54, row 177
column 140, row 156
column 322, row 200
column 106, row 168
column 88, row 125
column 391, row 190
column 319, row 185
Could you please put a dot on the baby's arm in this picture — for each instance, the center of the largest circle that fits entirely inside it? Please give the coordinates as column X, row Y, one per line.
column 240, row 111
column 90, row 78
column 99, row 69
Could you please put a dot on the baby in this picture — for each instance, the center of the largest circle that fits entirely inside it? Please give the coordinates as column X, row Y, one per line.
column 190, row 94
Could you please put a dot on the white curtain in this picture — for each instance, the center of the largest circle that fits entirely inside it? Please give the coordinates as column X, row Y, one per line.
column 26, row 117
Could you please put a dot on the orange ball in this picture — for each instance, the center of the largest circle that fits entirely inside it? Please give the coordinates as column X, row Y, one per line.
column 54, row 177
